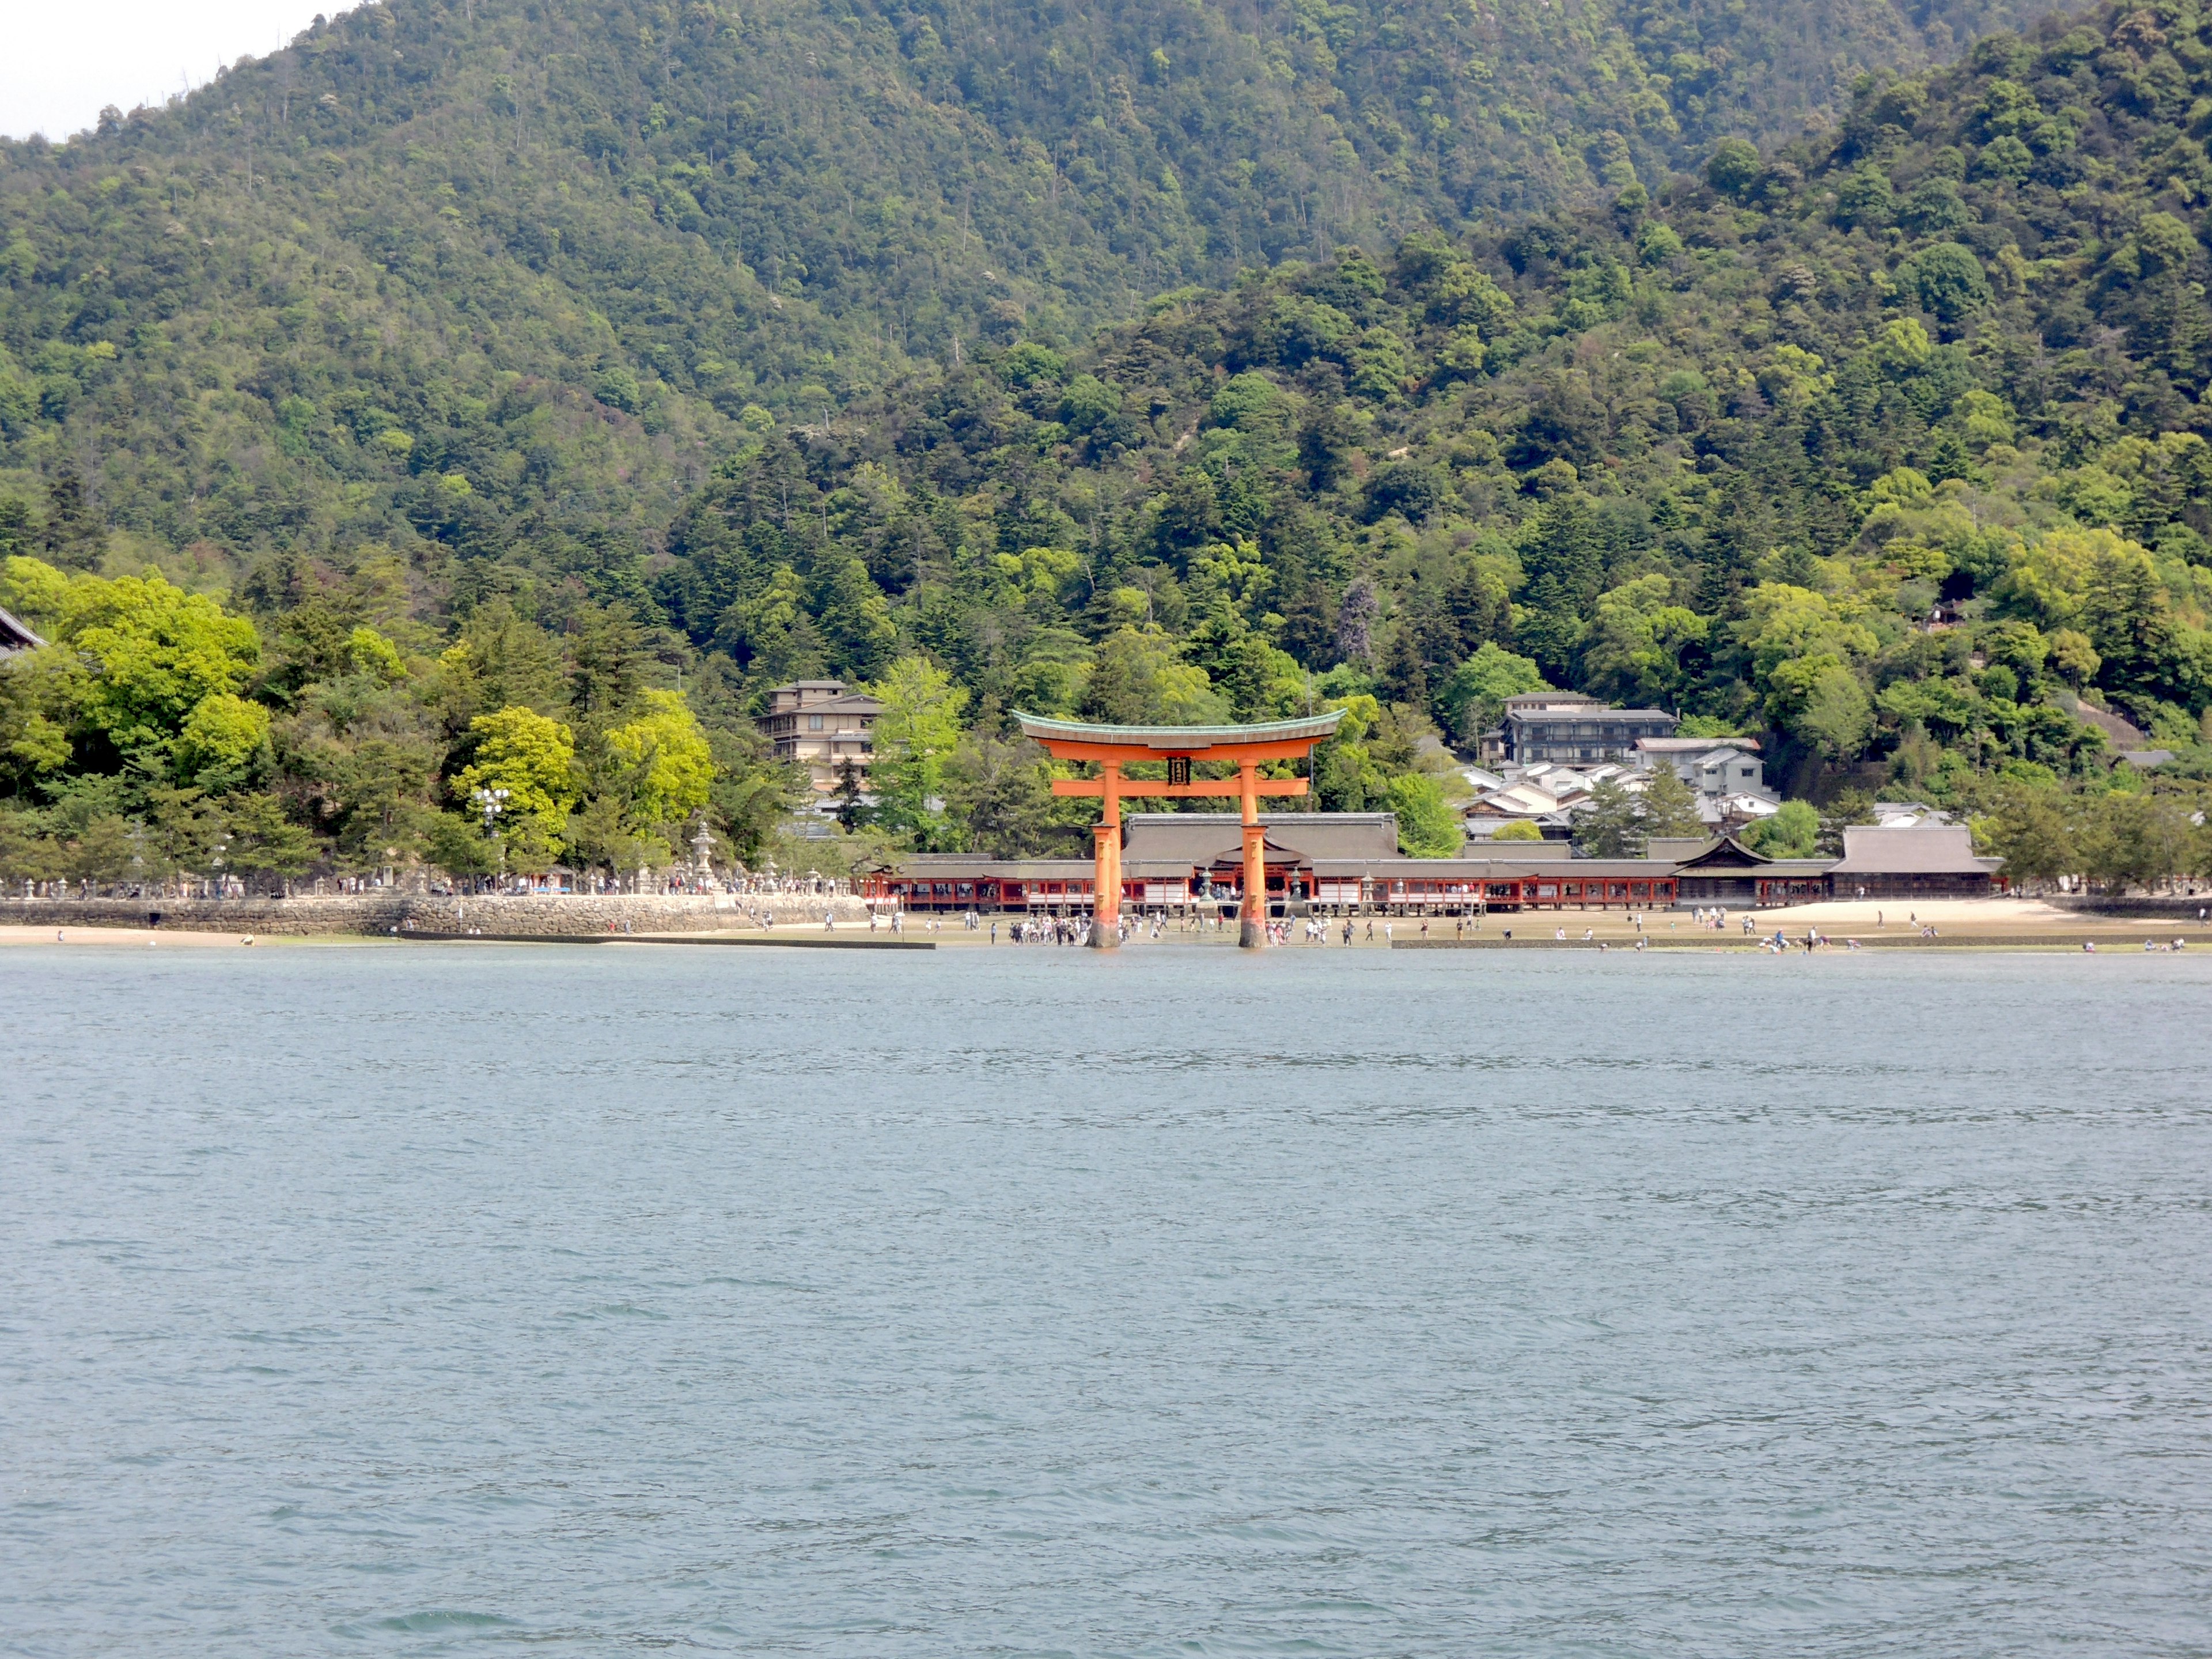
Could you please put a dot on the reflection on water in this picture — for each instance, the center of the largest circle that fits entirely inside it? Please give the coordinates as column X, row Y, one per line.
column 424, row 1301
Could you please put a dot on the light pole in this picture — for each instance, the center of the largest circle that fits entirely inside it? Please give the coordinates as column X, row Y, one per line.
column 491, row 803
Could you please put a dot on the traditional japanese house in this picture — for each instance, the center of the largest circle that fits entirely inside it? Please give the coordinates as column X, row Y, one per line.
column 1729, row 873
column 1934, row 860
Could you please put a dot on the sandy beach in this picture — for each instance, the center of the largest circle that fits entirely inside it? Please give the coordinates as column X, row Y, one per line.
column 2020, row 923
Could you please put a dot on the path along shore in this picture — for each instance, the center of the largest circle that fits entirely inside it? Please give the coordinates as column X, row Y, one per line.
column 1997, row 924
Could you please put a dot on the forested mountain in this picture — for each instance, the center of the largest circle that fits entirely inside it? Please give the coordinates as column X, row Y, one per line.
column 559, row 246
column 1885, row 444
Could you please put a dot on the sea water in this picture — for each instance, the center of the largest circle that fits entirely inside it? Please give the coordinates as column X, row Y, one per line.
column 428, row 1300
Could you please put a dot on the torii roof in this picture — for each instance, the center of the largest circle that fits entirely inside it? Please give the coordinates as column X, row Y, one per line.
column 1184, row 739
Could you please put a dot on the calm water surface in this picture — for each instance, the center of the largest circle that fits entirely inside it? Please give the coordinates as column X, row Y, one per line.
column 421, row 1301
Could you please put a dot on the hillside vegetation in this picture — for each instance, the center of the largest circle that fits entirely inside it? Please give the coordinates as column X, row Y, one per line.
column 1885, row 445
column 559, row 247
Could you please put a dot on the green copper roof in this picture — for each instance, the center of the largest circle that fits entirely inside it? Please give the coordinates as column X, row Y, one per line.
column 1183, row 740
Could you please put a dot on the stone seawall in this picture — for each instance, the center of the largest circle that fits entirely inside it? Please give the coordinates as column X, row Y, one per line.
column 2139, row 906
column 546, row 915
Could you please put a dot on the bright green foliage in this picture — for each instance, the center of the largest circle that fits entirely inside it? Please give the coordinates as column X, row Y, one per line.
column 668, row 757
column 221, row 735
column 534, row 760
column 1519, row 830
column 148, row 655
column 1792, row 833
column 1139, row 676
column 915, row 736
column 1474, row 696
column 1427, row 826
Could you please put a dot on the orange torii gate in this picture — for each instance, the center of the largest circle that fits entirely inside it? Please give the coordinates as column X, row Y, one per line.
column 1114, row 747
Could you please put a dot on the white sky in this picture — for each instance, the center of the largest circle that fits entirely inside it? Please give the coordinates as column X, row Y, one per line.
column 61, row 60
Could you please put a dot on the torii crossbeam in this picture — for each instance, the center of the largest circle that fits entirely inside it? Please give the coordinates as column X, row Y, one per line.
column 1244, row 747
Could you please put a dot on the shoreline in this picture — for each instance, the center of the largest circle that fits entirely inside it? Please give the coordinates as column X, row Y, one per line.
column 1613, row 931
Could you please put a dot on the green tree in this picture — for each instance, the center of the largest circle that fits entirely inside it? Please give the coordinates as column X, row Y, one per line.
column 457, row 844
column 265, row 842
column 1670, row 806
column 608, row 651
column 103, row 848
column 752, row 793
column 181, row 833
column 1473, row 698
column 1636, row 649
column 221, row 739
column 1612, row 825
column 26, row 853
column 2132, row 840
column 604, row 835
column 914, row 735
column 667, row 764
column 533, row 759
column 154, row 653
column 2032, row 829
column 1427, row 826
column 1794, row 832
column 1734, row 167
column 852, row 810
column 1000, row 793
column 1138, row 678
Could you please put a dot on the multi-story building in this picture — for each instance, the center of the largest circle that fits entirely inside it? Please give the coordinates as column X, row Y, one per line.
column 821, row 726
column 1714, row 767
column 1561, row 726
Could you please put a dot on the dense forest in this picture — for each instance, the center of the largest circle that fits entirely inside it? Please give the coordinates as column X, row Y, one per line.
column 352, row 477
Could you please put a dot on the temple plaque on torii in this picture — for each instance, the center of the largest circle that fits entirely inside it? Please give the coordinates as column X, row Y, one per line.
column 1112, row 747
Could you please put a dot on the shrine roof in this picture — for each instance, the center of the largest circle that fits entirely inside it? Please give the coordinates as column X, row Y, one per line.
column 1937, row 849
column 15, row 636
column 1183, row 739
column 1194, row 838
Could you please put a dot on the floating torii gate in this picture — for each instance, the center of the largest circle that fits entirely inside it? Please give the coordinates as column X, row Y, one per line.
column 1244, row 747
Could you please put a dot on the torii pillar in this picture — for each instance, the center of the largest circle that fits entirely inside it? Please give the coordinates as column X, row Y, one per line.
column 1112, row 747
column 1252, row 914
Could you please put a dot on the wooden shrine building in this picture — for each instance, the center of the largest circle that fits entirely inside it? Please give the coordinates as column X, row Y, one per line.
column 1729, row 873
